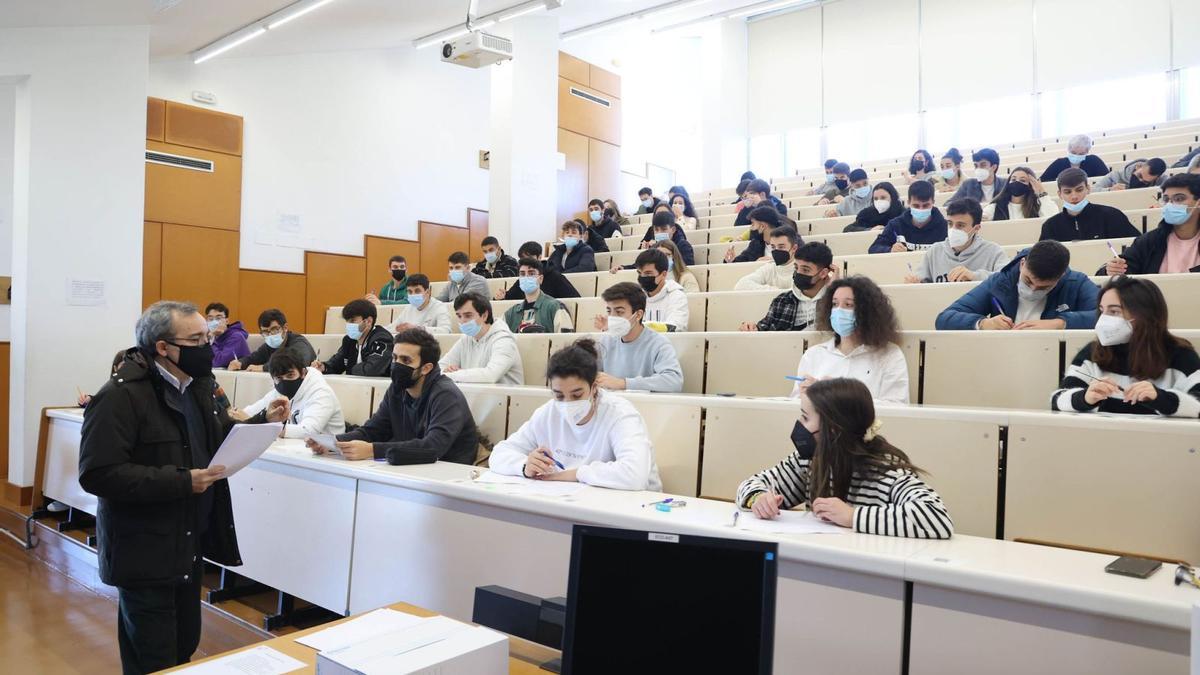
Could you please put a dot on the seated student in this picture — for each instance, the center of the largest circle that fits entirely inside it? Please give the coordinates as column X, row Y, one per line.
column 228, row 339
column 740, row 190
column 462, row 279
column 540, row 313
column 666, row 303
column 1081, row 219
column 776, row 274
column 837, row 190
column 1037, row 290
column 395, row 290
column 1134, row 365
column 1077, row 157
column 584, row 435
column 666, row 228
column 633, row 356
column 885, row 205
column 858, row 198
column 487, row 352
column 796, row 308
column 758, row 193
column 496, row 263
column 919, row 227
column 273, row 326
column 601, row 224
column 985, row 184
column 846, row 473
column 646, row 201
column 554, row 283
column 423, row 417
column 678, row 268
column 920, row 167
column 684, row 212
column 612, row 210
column 949, row 176
column 1022, row 197
column 964, row 255
column 573, row 255
column 366, row 350
column 829, row 178
column 314, row 407
column 763, row 220
column 864, row 345
column 1174, row 246
column 423, row 310
column 1139, row 173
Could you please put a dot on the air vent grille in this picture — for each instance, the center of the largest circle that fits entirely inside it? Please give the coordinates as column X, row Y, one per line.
column 179, row 161
column 590, row 97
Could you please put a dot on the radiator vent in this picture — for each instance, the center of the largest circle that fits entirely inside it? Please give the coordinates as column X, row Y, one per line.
column 590, row 97
column 179, row 161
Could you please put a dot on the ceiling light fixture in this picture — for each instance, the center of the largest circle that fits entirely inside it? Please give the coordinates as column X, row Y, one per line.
column 486, row 21
column 753, row 10
column 647, row 13
column 257, row 28
column 294, row 11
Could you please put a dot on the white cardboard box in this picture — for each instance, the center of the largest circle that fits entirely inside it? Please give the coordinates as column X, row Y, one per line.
column 434, row 645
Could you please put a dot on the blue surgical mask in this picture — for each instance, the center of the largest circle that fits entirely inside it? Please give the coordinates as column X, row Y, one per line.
column 948, row 174
column 213, row 324
column 670, row 264
column 595, row 216
column 1075, row 208
column 661, row 236
column 862, row 192
column 469, row 328
column 490, row 257
column 528, row 284
column 570, row 242
column 274, row 341
column 416, row 299
column 1075, row 159
column 456, row 275
column 1175, row 214
column 353, row 331
column 829, row 178
column 921, row 215
column 647, row 203
column 842, row 321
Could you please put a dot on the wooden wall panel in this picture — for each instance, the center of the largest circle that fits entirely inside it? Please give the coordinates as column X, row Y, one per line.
column 200, row 265
column 605, row 81
column 332, row 280
column 259, row 290
column 379, row 249
column 477, row 225
column 151, row 263
column 156, row 112
column 576, row 70
column 586, row 117
column 438, row 241
column 573, row 181
column 5, row 357
column 189, row 197
column 604, row 170
column 203, row 128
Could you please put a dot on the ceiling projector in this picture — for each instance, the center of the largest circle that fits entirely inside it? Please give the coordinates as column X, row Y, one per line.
column 477, row 49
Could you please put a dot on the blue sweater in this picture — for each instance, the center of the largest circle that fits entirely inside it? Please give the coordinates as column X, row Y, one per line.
column 1073, row 300
column 915, row 238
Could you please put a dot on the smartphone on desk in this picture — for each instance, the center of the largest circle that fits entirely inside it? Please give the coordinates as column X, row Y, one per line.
column 1129, row 566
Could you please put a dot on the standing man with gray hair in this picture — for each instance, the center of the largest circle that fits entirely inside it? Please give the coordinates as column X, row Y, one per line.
column 1079, row 157
column 148, row 437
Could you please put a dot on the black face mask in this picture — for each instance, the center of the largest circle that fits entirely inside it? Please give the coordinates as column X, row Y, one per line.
column 194, row 361
column 1135, row 182
column 289, row 387
column 399, row 275
column 648, row 283
column 403, row 376
column 916, row 165
column 803, row 281
column 1018, row 189
column 805, row 442
column 841, row 183
column 780, row 257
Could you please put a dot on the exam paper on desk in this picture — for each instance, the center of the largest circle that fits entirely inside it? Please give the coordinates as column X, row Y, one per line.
column 260, row 660
column 789, row 522
column 520, row 485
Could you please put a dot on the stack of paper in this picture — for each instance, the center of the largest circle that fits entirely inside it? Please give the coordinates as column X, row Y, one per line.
column 436, row 644
column 258, row 660
column 362, row 628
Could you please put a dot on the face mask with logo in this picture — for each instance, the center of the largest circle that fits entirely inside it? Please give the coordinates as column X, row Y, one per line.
column 416, row 299
column 921, row 215
column 618, row 326
column 780, row 257
column 957, row 238
column 289, row 387
column 570, row 242
column 802, row 281
column 647, row 203
column 1113, row 330
column 574, row 411
column 353, row 331
column 1175, row 214
column 528, row 284
column 842, row 321
column 982, row 174
column 469, row 328
column 274, row 341
column 399, row 275
column 595, row 216
column 882, row 205
column 862, row 192
column 841, row 183
column 648, row 284
column 948, row 174
column 1018, row 189
column 1075, row 208
column 1028, row 294
column 490, row 257
column 195, row 361
column 1075, row 159
column 456, row 276
column 661, row 236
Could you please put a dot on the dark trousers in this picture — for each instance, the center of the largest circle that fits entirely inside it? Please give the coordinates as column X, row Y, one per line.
column 158, row 627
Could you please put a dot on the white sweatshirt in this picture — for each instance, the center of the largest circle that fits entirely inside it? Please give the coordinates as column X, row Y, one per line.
column 315, row 408
column 670, row 306
column 493, row 360
column 768, row 277
column 884, row 371
column 435, row 318
column 612, row 450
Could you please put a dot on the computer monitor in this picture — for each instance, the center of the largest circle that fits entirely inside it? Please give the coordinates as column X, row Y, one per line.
column 650, row 602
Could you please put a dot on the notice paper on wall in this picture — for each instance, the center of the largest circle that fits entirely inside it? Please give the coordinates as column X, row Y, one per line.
column 85, row 292
column 259, row 660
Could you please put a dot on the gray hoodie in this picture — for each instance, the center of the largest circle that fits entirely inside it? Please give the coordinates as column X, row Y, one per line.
column 851, row 205
column 1123, row 175
column 981, row 256
column 471, row 283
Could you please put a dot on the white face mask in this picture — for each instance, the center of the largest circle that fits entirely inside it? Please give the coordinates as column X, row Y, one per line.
column 619, row 326
column 1028, row 294
column 574, row 411
column 882, row 205
column 982, row 174
column 957, row 238
column 1113, row 330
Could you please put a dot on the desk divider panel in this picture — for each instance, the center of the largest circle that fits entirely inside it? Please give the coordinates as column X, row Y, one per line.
column 752, row 364
column 333, row 320
column 354, row 395
column 991, row 368
column 250, row 387
column 727, row 310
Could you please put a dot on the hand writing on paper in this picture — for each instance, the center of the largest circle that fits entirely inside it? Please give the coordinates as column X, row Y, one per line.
column 1041, row 324
column 899, row 248
column 1141, row 391
column 766, row 506
column 961, row 273
column 1099, row 390
column 1000, row 322
column 568, row 476
column 1116, row 266
column 833, row 510
column 540, row 463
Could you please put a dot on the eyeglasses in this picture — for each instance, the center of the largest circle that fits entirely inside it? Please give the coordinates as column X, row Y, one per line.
column 188, row 341
column 1179, row 199
column 271, row 331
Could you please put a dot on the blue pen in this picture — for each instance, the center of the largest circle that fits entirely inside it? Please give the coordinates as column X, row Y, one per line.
column 793, row 378
column 996, row 304
column 558, row 464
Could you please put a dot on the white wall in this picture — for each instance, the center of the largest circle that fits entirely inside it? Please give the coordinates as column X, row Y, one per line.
column 8, row 102
column 353, row 143
column 77, row 204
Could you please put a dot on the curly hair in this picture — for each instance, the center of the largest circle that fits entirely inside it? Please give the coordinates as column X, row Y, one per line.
column 874, row 318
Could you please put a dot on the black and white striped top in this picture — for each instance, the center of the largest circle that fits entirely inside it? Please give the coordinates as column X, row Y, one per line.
column 896, row 503
column 1178, row 388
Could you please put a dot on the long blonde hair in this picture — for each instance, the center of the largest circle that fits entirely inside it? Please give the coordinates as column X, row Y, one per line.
column 678, row 267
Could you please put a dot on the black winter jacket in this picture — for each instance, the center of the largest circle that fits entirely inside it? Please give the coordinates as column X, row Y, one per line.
column 376, row 360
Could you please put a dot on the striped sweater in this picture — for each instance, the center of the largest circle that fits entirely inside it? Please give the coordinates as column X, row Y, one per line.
column 1178, row 386
column 896, row 503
